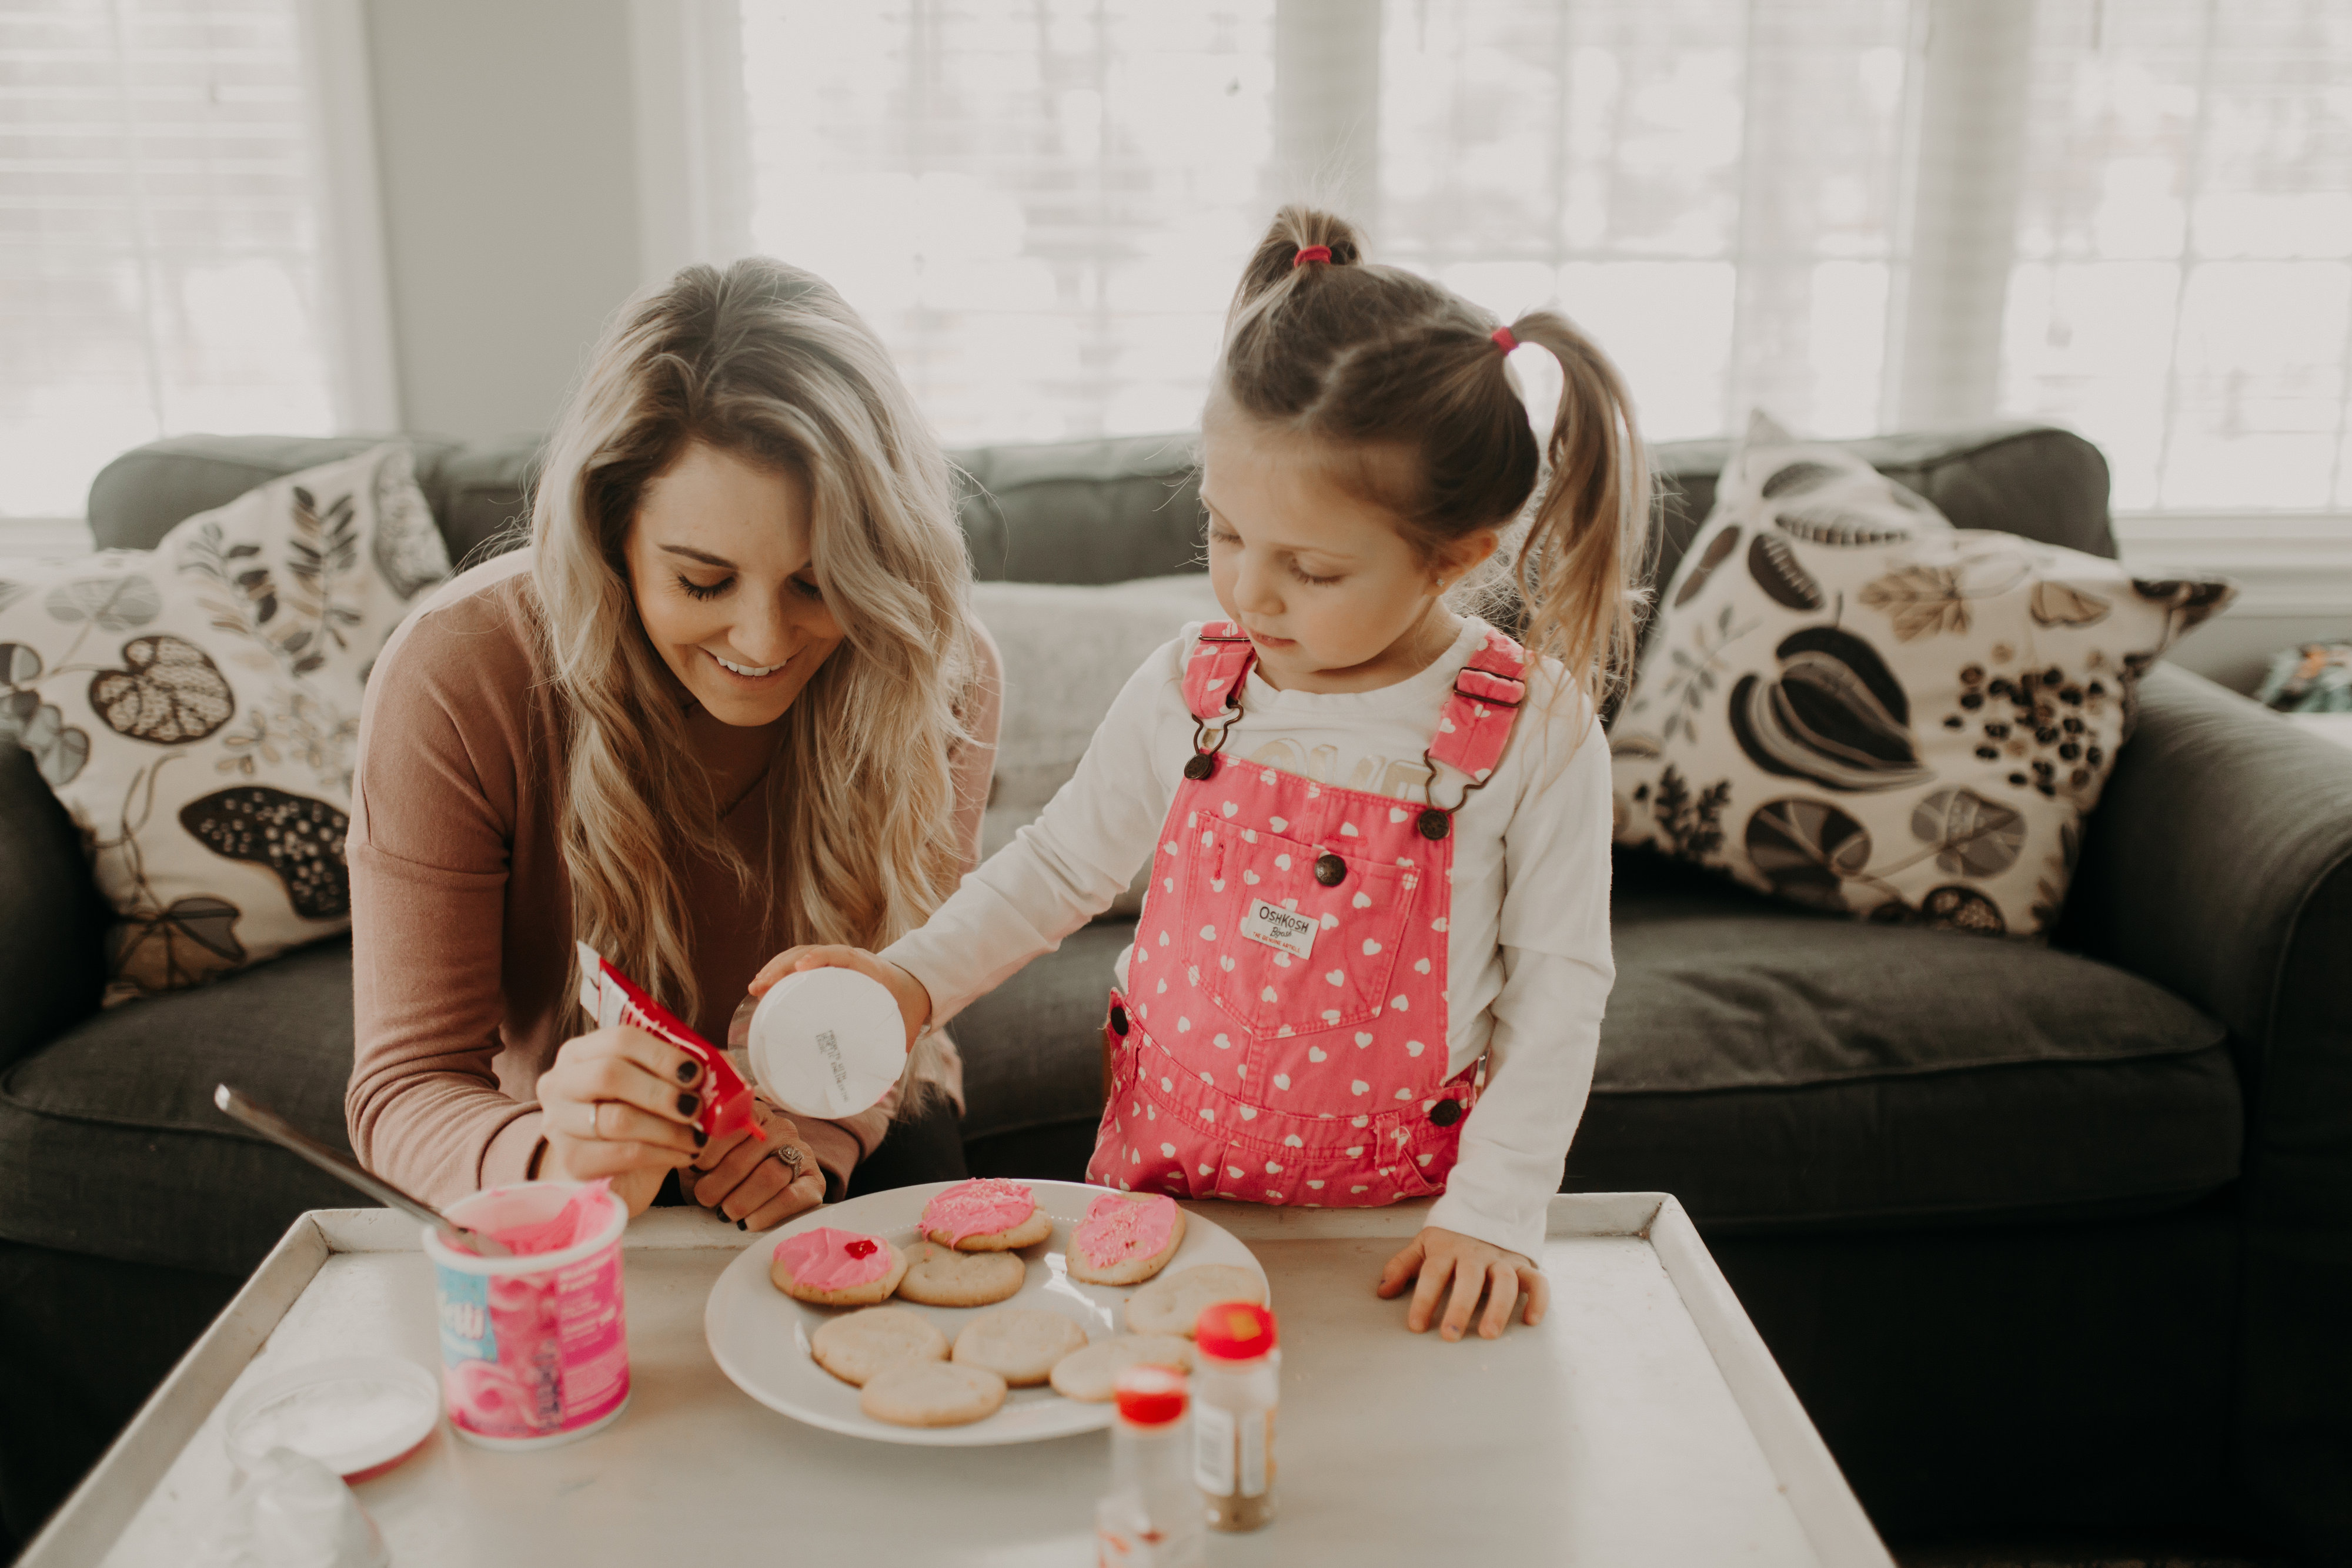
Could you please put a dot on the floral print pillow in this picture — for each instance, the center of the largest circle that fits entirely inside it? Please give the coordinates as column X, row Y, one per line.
column 196, row 707
column 1853, row 705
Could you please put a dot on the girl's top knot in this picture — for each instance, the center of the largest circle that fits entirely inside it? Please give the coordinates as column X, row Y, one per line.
column 1311, row 253
column 1503, row 338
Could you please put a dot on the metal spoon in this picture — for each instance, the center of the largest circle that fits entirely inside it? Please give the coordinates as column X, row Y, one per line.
column 279, row 1130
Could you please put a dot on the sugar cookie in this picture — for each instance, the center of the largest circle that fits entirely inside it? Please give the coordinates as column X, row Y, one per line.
column 1171, row 1305
column 1088, row 1374
column 836, row 1267
column 932, row 1393
column 856, row 1347
column 1019, row 1344
column 1125, row 1239
column 941, row 1276
column 986, row 1215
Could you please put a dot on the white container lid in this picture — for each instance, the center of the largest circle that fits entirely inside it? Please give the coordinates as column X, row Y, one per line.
column 828, row 1042
column 355, row 1414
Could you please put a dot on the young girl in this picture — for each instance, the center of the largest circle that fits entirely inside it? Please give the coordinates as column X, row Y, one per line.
column 1373, row 958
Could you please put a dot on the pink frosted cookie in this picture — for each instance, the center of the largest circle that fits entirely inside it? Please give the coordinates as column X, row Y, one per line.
column 1125, row 1239
column 836, row 1267
column 986, row 1215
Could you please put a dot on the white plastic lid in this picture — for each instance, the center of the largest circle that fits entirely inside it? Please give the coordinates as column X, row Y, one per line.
column 828, row 1042
column 355, row 1414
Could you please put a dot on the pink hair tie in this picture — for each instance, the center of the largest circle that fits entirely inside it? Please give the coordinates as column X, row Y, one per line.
column 1311, row 253
column 1503, row 338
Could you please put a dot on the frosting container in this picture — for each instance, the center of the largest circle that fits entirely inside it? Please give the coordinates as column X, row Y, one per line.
column 828, row 1042
column 612, row 998
column 534, row 1348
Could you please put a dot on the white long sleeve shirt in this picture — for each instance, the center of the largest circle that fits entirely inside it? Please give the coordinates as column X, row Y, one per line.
column 1527, row 953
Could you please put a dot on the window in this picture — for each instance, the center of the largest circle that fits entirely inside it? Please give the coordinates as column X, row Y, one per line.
column 160, row 235
column 1865, row 214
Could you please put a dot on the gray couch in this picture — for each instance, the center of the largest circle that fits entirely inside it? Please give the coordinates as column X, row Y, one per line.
column 2046, row 1238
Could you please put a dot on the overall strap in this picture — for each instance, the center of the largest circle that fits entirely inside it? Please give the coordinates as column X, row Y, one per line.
column 1219, row 662
column 1475, row 723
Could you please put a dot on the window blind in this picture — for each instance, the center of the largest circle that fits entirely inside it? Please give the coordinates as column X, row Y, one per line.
column 159, row 235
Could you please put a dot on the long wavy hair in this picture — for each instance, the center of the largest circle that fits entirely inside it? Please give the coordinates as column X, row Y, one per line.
column 768, row 362
column 1399, row 382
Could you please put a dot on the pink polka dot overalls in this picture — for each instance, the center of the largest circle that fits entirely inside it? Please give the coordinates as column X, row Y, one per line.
column 1283, row 1036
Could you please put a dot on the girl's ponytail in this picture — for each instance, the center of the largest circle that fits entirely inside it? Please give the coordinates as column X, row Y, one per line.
column 1275, row 262
column 1588, row 542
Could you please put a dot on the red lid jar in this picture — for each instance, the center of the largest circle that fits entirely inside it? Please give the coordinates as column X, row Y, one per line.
column 1234, row 1331
column 1150, row 1395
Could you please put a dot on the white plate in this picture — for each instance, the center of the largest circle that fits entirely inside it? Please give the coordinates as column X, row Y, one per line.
column 760, row 1336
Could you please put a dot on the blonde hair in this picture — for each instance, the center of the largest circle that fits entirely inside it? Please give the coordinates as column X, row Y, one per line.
column 768, row 362
column 1403, row 382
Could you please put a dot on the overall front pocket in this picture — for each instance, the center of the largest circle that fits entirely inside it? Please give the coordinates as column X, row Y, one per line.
column 1289, row 952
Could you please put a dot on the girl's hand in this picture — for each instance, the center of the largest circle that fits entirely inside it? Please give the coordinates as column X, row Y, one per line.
column 1477, row 1267
column 752, row 1183
column 914, row 1001
column 620, row 1102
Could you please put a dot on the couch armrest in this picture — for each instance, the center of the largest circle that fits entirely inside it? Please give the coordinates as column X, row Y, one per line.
column 2219, row 863
column 52, row 921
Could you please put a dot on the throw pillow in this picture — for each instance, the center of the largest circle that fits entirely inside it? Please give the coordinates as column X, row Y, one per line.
column 1853, row 705
column 1068, row 651
column 195, row 707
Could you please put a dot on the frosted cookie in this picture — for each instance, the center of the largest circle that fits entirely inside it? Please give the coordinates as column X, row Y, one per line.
column 1089, row 1373
column 932, row 1393
column 836, row 1267
column 986, row 1215
column 1125, row 1239
column 857, row 1347
column 1171, row 1305
column 1019, row 1344
column 942, row 1276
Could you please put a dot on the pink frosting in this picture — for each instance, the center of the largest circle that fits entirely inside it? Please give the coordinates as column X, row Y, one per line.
column 979, row 1207
column 1119, row 1228
column 829, row 1260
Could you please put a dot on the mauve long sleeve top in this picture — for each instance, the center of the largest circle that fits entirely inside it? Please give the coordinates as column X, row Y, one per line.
column 462, row 965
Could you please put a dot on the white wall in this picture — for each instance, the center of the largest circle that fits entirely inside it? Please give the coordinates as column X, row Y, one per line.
column 506, row 151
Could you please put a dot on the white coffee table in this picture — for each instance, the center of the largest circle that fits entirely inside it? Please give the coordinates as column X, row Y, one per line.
column 1643, row 1423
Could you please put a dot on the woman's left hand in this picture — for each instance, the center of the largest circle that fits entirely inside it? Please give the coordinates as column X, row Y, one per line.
column 1475, row 1268
column 752, row 1183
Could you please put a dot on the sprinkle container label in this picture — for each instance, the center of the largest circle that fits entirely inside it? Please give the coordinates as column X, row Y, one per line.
column 1283, row 929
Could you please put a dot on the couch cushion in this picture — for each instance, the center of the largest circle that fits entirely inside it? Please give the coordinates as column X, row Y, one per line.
column 1774, row 1068
column 109, row 1144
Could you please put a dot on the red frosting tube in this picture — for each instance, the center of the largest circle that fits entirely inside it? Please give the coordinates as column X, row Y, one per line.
column 612, row 998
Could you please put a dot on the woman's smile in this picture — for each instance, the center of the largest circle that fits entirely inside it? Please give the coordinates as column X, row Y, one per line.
column 751, row 674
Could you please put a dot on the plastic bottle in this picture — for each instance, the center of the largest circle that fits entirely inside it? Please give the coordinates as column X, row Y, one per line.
column 1152, row 1518
column 1235, row 1391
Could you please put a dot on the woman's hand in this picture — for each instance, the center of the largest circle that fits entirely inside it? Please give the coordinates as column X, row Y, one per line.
column 620, row 1102
column 758, row 1186
column 1477, row 1267
column 914, row 1001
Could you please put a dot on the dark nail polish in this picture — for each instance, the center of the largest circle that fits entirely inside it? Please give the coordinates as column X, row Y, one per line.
column 700, row 1137
column 688, row 1070
column 686, row 1102
column 740, row 1225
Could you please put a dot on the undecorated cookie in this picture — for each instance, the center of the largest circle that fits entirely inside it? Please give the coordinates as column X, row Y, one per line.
column 1089, row 1374
column 1019, row 1344
column 836, row 1267
column 932, row 1393
column 1125, row 1239
column 941, row 1276
column 986, row 1215
column 856, row 1347
column 1171, row 1305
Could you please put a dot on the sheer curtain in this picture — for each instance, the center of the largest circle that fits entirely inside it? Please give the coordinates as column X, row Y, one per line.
column 160, row 242
column 1863, row 214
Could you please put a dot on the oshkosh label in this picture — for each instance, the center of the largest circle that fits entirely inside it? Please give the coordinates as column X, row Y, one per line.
column 1280, row 929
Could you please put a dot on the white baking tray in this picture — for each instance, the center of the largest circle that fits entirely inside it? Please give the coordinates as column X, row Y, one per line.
column 1643, row 1423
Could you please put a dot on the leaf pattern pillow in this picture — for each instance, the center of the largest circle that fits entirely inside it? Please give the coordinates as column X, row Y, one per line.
column 195, row 707
column 1853, row 705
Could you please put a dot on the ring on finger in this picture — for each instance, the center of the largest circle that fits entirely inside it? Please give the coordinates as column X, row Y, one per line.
column 596, row 1118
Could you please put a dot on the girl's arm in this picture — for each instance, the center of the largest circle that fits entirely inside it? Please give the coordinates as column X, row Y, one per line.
column 1064, row 868
column 1547, row 1019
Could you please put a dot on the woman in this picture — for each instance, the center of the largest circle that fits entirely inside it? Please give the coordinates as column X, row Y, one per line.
column 729, row 701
